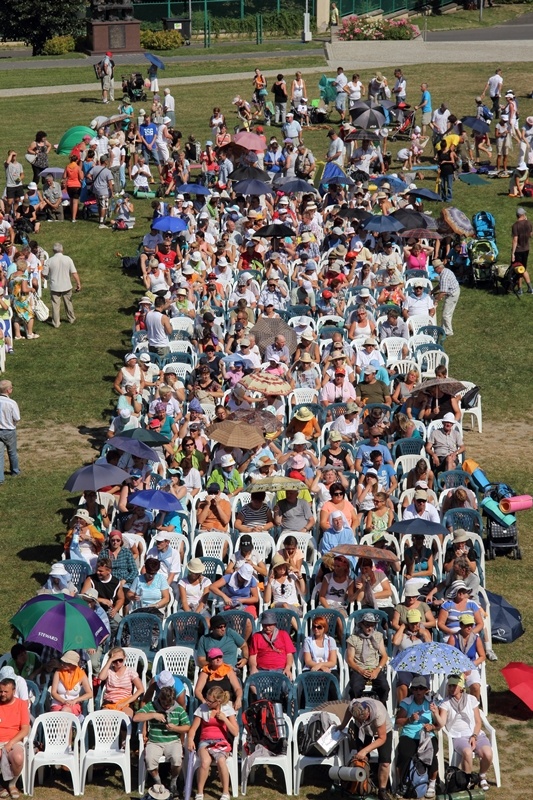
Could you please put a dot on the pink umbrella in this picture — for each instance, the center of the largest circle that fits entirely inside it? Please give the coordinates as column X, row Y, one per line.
column 251, row 141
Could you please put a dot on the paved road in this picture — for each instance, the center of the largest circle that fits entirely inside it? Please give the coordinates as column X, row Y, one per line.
column 519, row 28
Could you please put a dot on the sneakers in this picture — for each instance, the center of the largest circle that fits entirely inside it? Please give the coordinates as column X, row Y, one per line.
column 198, row 797
column 102, row 226
column 483, row 784
column 430, row 792
column 491, row 655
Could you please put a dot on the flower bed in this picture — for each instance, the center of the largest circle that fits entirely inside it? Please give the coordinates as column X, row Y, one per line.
column 366, row 29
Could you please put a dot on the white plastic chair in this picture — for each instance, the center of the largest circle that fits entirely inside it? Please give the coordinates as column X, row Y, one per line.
column 106, row 725
column 430, row 360
column 475, row 412
column 182, row 324
column 300, row 762
column 183, row 371
column 304, row 542
column 419, row 338
column 410, row 283
column 455, row 759
column 300, row 396
column 177, row 541
column 328, row 321
column 263, row 545
column 283, row 762
column 232, row 764
column 475, row 538
column 403, row 365
column 212, row 544
column 134, row 657
column 177, row 660
column 61, row 732
column 418, row 321
column 392, row 348
column 404, row 464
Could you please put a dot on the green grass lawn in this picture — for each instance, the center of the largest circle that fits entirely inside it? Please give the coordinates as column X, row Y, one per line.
column 458, row 20
column 63, row 381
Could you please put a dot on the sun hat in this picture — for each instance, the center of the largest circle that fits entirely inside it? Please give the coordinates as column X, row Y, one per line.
column 411, row 589
column 351, row 408
column 335, row 436
column 458, row 586
column 420, row 494
column 159, row 792
column 304, row 414
column 89, row 594
column 368, row 617
column 58, row 569
column 298, row 438
column 460, row 536
column 279, row 561
column 246, row 571
column 449, row 417
column 82, row 513
column 162, row 536
column 364, row 292
column 124, row 413
column 467, row 619
column 165, row 678
column 268, row 618
column 145, row 358
column 70, row 657
column 371, row 341
column 196, row 566
column 227, row 460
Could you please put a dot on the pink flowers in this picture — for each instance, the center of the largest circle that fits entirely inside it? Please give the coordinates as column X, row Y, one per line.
column 365, row 29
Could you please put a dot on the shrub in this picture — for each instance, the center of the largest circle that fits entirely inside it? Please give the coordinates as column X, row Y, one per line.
column 287, row 23
column 363, row 29
column 161, row 40
column 59, row 45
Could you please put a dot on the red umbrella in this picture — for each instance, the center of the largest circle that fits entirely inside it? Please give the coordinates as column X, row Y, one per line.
column 251, row 141
column 364, row 551
column 519, row 677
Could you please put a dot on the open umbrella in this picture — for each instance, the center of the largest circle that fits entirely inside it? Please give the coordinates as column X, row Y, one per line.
column 396, row 184
column 457, row 221
column 277, row 484
column 256, row 418
column 59, row 621
column 172, row 224
column 382, row 224
column 358, row 214
column 192, row 188
column 431, row 657
column 94, row 476
column 235, row 433
column 409, row 218
column 249, row 173
column 337, row 180
column 238, row 151
column 72, row 137
column 417, row 526
column 420, row 233
column 294, row 185
column 519, row 678
column 155, row 60
column 155, row 500
column 151, row 438
column 476, row 124
column 252, row 187
column 57, row 172
column 506, row 620
column 446, row 386
column 265, row 331
column 114, row 119
column 134, row 447
column 275, row 229
column 364, row 551
column 356, row 134
column 367, row 117
column 249, row 140
column 266, row 383
column 426, row 194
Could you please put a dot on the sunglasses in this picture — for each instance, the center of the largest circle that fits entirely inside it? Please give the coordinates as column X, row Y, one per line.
column 118, row 661
column 318, row 627
column 223, row 625
column 115, row 539
column 337, row 494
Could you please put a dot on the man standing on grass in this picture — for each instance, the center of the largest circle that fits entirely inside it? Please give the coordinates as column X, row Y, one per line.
column 101, row 180
column 449, row 291
column 339, row 83
column 60, row 270
column 494, row 88
column 521, row 231
column 425, row 106
column 9, row 416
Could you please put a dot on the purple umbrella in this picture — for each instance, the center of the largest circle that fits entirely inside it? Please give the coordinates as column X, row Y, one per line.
column 59, row 621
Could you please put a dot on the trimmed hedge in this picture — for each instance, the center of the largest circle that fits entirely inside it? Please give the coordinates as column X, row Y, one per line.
column 59, row 45
column 288, row 22
column 161, row 40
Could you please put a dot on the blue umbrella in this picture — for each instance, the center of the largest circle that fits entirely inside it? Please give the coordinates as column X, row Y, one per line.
column 156, row 500
column 252, row 187
column 430, row 657
column 57, row 172
column 396, row 184
column 154, row 60
column 93, row 477
column 294, row 185
column 172, row 224
column 382, row 224
column 192, row 188
column 477, row 125
column 418, row 526
column 426, row 194
column 134, row 447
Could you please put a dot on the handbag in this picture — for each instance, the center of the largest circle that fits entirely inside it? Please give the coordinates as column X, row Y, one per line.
column 30, row 157
column 41, row 310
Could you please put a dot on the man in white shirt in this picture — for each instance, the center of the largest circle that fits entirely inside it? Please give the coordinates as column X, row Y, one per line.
column 336, row 149
column 439, row 122
column 169, row 107
column 141, row 175
column 9, row 417
column 420, row 508
column 339, row 83
column 399, row 91
column 60, row 270
column 419, row 303
column 494, row 88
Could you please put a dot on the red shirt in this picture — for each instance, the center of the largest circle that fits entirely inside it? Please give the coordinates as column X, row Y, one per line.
column 271, row 657
column 12, row 717
column 168, row 259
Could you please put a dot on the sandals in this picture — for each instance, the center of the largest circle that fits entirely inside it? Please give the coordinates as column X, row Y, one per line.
column 13, row 792
column 4, row 793
column 483, row 784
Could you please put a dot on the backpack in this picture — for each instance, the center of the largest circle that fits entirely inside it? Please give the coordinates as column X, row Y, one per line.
column 469, row 399
column 416, row 780
column 484, row 225
column 100, row 70
column 120, row 225
column 486, row 113
column 264, row 724
column 455, row 780
column 308, row 735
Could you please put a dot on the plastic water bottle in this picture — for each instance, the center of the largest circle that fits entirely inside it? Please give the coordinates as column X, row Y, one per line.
column 138, row 603
column 74, row 548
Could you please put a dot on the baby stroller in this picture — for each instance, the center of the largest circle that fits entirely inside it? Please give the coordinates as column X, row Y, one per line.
column 404, row 119
column 507, row 277
column 134, row 87
column 500, row 538
column 483, row 250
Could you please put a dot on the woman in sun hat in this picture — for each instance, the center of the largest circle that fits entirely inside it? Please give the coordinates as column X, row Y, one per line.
column 194, row 588
column 58, row 582
column 304, row 422
column 83, row 539
column 284, row 588
column 458, row 601
column 70, row 685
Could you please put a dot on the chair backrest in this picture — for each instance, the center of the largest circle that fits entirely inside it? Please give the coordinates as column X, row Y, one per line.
column 429, row 360
column 418, row 340
column 392, row 347
column 178, row 660
column 435, row 331
column 106, row 725
column 135, row 659
column 285, row 618
column 403, row 365
column 184, row 628
column 212, row 544
column 272, row 686
column 467, row 518
column 452, row 478
column 408, row 447
column 141, row 631
column 304, row 542
column 57, row 727
column 182, row 324
column 263, row 545
column 403, row 464
column 417, row 321
column 331, row 615
column 78, row 571
column 314, row 688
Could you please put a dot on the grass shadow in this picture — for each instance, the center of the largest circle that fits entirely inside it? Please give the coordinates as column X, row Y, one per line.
column 95, row 436
column 41, row 553
column 508, row 705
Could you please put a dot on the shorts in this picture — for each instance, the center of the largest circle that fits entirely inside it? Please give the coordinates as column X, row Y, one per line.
column 426, row 117
column 503, row 145
column 385, row 751
column 74, row 192
column 340, row 101
column 463, row 742
column 170, row 751
column 216, row 750
column 473, row 678
column 12, row 192
column 102, row 200
column 107, row 82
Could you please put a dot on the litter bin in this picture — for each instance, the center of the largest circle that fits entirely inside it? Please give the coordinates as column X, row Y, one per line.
column 181, row 24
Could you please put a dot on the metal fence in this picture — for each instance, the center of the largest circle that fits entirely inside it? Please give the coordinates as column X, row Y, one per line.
column 155, row 10
column 360, row 7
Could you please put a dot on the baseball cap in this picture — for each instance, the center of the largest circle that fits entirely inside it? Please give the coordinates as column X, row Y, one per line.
column 414, row 615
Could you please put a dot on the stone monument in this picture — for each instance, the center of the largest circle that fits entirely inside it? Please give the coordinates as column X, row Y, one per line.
column 112, row 27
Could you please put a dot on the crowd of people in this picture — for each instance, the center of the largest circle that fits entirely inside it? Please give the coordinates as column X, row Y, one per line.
column 284, row 307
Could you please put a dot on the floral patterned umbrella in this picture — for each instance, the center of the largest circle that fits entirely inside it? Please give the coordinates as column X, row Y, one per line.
column 430, row 657
column 364, row 551
column 265, row 383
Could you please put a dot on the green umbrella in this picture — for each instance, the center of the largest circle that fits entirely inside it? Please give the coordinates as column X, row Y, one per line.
column 72, row 137
column 59, row 621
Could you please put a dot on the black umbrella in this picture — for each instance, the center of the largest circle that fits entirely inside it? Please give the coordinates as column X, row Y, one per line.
column 93, row 477
column 249, row 174
column 409, row 218
column 418, row 526
column 276, row 229
column 338, row 180
column 354, row 213
column 252, row 187
column 294, row 185
column 151, row 438
column 426, row 194
column 505, row 619
column 361, row 134
column 381, row 223
column 477, row 125
column 367, row 117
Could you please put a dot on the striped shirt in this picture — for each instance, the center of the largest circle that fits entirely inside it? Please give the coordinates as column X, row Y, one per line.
column 157, row 731
column 448, row 283
column 253, row 517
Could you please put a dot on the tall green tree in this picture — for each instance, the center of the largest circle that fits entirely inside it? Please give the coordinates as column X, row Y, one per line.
column 35, row 21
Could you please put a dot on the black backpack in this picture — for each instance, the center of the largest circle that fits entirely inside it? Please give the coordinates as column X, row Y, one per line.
column 265, row 726
column 309, row 734
column 469, row 399
column 455, row 780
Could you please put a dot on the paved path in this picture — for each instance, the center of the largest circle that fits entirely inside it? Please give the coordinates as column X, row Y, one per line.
column 517, row 29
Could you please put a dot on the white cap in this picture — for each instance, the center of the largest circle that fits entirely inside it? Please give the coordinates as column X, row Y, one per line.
column 166, row 120
column 125, row 413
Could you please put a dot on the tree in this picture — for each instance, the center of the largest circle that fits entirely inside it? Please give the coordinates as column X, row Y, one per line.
column 35, row 22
